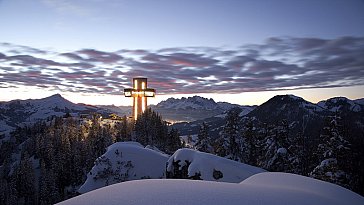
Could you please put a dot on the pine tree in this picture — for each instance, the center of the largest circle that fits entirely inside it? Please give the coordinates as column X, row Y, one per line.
column 151, row 130
column 99, row 138
column 333, row 152
column 3, row 190
column 296, row 151
column 144, row 129
column 250, row 140
column 48, row 192
column 203, row 142
column 230, row 142
column 24, row 180
column 173, row 142
column 12, row 193
column 123, row 131
column 276, row 157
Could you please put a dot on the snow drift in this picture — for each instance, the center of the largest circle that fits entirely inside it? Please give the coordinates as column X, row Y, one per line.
column 263, row 188
column 124, row 161
column 192, row 164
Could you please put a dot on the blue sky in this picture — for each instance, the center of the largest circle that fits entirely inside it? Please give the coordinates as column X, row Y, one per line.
column 231, row 50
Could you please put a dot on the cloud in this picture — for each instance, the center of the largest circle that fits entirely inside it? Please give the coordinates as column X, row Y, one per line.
column 100, row 56
column 280, row 63
column 27, row 60
column 73, row 56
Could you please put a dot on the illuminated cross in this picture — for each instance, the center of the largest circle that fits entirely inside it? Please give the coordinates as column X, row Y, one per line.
column 139, row 92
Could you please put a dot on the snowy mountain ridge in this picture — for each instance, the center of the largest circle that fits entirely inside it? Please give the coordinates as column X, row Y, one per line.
column 20, row 112
column 283, row 107
column 342, row 103
column 195, row 108
column 195, row 102
column 23, row 112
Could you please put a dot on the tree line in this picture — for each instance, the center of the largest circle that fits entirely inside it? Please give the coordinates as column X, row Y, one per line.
column 334, row 156
column 47, row 162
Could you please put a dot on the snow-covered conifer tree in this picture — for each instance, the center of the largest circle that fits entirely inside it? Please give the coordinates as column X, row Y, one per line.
column 333, row 154
column 230, row 143
column 203, row 142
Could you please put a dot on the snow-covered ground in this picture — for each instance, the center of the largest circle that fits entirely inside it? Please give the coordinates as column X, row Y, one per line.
column 264, row 188
column 209, row 166
column 124, row 161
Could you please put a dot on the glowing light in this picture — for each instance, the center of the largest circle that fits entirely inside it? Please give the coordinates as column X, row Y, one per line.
column 135, row 84
column 143, row 104
column 143, row 98
column 127, row 94
column 139, row 93
column 143, row 85
column 149, row 93
column 133, row 93
column 135, row 108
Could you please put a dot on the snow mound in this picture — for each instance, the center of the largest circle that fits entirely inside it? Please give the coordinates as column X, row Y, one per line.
column 309, row 190
column 260, row 189
column 124, row 161
column 208, row 167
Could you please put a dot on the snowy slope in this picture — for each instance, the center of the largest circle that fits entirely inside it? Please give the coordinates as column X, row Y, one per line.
column 260, row 189
column 209, row 165
column 21, row 112
column 342, row 104
column 124, row 161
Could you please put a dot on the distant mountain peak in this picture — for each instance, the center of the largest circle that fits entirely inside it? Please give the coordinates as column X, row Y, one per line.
column 336, row 99
column 32, row 110
column 341, row 103
column 57, row 100
column 55, row 96
column 288, row 97
column 195, row 102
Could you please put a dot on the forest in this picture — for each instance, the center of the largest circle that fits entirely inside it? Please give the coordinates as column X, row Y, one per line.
column 47, row 162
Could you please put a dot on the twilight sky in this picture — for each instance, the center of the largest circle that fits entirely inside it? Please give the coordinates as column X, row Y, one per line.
column 238, row 51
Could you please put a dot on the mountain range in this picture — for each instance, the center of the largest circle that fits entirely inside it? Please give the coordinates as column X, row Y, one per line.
column 23, row 112
column 303, row 116
column 284, row 121
column 190, row 112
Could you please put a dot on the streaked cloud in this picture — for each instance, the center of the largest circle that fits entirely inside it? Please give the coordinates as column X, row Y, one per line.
column 281, row 63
